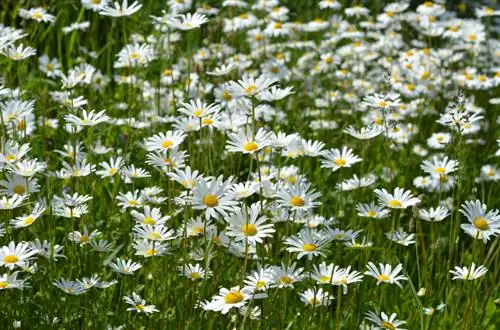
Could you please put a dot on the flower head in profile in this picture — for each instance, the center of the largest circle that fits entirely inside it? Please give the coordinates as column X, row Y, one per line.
column 385, row 273
column 120, row 10
column 468, row 273
column 383, row 321
column 400, row 199
column 139, row 305
column 228, row 299
column 187, row 21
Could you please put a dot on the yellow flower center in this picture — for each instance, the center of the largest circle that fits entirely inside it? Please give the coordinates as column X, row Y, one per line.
column 133, row 202
column 198, row 112
column 167, row 144
column 340, row 162
column 314, row 301
column 195, row 275
column 139, row 307
column 249, row 230
column 481, row 223
column 395, row 204
column 167, row 72
column 440, row 170
column 154, row 236
column 251, row 89
column 309, row 247
column 19, row 189
column 11, row 158
column 233, row 297
column 149, row 221
column 250, row 146
column 382, row 104
column 28, row 221
column 10, row 259
column 383, row 278
column 112, row 171
column 3, row 285
column 260, row 284
column 324, row 279
column 297, row 201
column 207, row 121
column 151, row 252
column 227, row 96
column 285, row 280
column 387, row 325
column 428, row 3
column 371, row 214
column 210, row 200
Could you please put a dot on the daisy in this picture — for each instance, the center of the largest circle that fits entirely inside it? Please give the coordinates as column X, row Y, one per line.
column 199, row 109
column 298, row 196
column 244, row 142
column 28, row 167
column 222, row 70
column 38, row 14
column 28, row 219
column 468, row 274
column 372, row 211
column 384, row 321
column 365, row 133
column 213, row 197
column 139, row 304
column 356, row 183
column 110, row 168
column 18, row 53
column 259, row 280
column 336, row 158
column 285, row 276
column 147, row 248
column 401, row 199
column 306, row 243
column 11, row 282
column 94, row 5
column 14, row 184
column 124, row 266
column 187, row 21
column 249, row 86
column 153, row 233
column 246, row 225
column 385, row 273
column 482, row 224
column 164, row 141
column 83, row 237
column 434, row 214
column 401, row 237
column 10, row 203
column 228, row 299
column 120, row 10
column 70, row 287
column 193, row 272
column 382, row 101
column 439, row 166
column 316, row 298
column 149, row 216
column 129, row 199
column 186, row 177
column 15, row 255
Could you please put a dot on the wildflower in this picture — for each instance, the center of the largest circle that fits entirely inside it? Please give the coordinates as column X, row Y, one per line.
column 468, row 273
column 228, row 299
column 383, row 321
column 120, row 10
column 401, row 199
column 316, row 298
column 385, row 273
column 138, row 304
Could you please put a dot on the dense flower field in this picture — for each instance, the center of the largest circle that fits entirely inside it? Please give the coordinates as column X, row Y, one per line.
column 256, row 164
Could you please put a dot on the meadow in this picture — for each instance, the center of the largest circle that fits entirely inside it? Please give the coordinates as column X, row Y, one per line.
column 264, row 164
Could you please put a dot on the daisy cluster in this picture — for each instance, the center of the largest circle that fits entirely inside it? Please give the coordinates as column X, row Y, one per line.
column 274, row 164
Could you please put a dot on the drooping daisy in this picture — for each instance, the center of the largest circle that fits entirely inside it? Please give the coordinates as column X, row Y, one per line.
column 70, row 287
column 401, row 237
column 468, row 273
column 400, row 199
column 385, row 273
column 28, row 219
column 336, row 158
column 434, row 214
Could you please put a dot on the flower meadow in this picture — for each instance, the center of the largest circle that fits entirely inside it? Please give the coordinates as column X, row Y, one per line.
column 266, row 164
